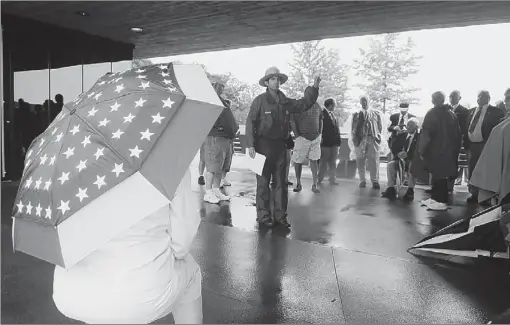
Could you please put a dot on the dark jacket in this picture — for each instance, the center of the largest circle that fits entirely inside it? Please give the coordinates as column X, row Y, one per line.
column 394, row 119
column 271, row 120
column 440, row 141
column 493, row 116
column 330, row 131
column 462, row 116
column 401, row 143
column 226, row 125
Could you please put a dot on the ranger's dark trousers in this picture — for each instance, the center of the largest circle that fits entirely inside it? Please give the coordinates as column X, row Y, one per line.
column 275, row 198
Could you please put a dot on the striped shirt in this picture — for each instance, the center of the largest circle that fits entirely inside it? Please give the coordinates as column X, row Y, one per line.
column 308, row 123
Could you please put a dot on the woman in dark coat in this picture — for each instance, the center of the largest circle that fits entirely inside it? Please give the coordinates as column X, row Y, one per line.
column 439, row 146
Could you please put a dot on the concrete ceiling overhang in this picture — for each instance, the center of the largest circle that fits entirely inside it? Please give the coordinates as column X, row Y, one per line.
column 184, row 27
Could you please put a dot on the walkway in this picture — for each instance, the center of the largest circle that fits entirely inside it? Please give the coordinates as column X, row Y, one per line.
column 344, row 260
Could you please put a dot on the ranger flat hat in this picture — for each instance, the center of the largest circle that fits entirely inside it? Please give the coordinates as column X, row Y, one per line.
column 273, row 72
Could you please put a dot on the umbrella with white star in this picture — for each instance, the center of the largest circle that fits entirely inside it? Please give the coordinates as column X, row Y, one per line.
column 483, row 234
column 113, row 156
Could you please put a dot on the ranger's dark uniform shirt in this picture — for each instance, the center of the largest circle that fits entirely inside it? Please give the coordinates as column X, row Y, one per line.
column 269, row 117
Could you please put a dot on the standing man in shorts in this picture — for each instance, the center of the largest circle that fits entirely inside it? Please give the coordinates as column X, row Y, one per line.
column 201, row 165
column 230, row 155
column 307, row 127
column 217, row 149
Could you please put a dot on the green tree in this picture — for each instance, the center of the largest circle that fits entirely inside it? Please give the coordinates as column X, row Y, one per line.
column 239, row 93
column 312, row 59
column 385, row 67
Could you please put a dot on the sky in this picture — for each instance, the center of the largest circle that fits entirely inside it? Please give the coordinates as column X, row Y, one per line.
column 468, row 59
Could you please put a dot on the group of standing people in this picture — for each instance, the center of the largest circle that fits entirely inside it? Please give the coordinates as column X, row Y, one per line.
column 446, row 130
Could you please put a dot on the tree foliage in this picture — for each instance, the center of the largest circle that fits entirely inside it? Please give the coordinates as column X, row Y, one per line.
column 310, row 60
column 385, row 67
column 239, row 93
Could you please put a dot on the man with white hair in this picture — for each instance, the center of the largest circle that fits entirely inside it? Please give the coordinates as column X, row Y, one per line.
column 403, row 147
column 439, row 146
column 366, row 136
column 481, row 121
column 462, row 116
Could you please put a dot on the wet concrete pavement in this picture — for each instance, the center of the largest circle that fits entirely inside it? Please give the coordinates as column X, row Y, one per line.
column 344, row 260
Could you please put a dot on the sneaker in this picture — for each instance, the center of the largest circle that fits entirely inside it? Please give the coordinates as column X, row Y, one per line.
column 437, row 206
column 210, row 197
column 298, row 188
column 426, row 202
column 315, row 189
column 376, row 186
column 224, row 183
column 201, row 180
column 220, row 196
column 363, row 184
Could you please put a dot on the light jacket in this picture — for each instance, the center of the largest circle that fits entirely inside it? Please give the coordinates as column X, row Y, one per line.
column 131, row 279
column 492, row 171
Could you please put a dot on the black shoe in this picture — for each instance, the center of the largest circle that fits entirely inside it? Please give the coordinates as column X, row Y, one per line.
column 362, row 184
column 472, row 199
column 315, row 189
column 265, row 222
column 290, row 183
column 409, row 196
column 283, row 222
column 201, row 180
column 390, row 193
column 376, row 186
column 298, row 188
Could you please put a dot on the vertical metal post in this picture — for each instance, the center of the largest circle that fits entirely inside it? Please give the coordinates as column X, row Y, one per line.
column 2, row 134
column 49, row 89
column 82, row 76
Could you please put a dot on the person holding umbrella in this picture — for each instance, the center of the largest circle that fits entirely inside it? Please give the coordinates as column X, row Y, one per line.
column 267, row 132
column 106, row 196
column 141, row 275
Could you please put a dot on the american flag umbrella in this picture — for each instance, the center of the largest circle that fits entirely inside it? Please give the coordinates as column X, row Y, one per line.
column 113, row 156
column 483, row 234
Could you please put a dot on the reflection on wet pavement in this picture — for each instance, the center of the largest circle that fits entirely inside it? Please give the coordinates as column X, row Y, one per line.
column 340, row 216
column 343, row 260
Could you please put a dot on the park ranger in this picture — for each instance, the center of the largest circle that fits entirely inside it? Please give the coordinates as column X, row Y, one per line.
column 267, row 130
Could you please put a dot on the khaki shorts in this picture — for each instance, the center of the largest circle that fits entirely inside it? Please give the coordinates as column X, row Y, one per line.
column 306, row 149
column 217, row 158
